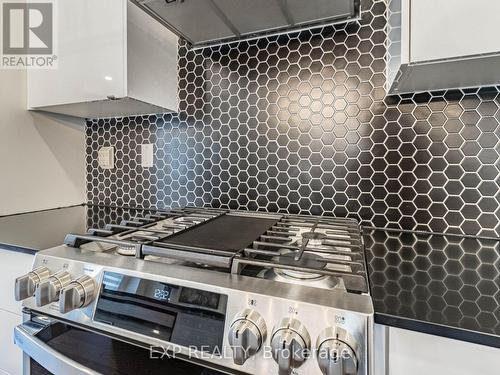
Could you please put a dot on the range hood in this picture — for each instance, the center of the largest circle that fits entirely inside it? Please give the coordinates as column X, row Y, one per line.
column 205, row 23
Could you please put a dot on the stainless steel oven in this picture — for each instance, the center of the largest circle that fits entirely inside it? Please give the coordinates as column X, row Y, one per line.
column 51, row 346
column 233, row 292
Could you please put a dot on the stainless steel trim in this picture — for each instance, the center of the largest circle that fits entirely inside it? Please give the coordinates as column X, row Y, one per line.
column 184, row 253
column 50, row 359
column 353, row 14
column 286, row 12
column 224, row 18
column 69, row 240
column 142, row 229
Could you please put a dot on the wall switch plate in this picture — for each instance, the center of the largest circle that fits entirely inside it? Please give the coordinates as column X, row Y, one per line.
column 106, row 157
column 147, row 155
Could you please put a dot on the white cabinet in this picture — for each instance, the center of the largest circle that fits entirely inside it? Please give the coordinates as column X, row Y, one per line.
column 112, row 60
column 442, row 44
column 445, row 29
column 11, row 357
column 413, row 353
column 12, row 265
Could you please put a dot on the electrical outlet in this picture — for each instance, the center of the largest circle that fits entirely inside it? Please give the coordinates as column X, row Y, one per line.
column 106, row 157
column 147, row 155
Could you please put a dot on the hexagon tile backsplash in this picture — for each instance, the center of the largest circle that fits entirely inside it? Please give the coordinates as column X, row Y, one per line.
column 301, row 123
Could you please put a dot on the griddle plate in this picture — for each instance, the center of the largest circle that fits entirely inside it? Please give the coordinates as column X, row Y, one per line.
column 230, row 233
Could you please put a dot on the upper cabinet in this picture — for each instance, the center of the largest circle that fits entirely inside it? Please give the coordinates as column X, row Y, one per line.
column 112, row 60
column 442, row 44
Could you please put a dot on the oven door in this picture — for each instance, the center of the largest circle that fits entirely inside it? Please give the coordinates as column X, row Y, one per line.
column 54, row 347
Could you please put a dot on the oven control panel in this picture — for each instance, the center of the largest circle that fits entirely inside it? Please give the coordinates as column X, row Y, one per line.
column 234, row 322
column 184, row 316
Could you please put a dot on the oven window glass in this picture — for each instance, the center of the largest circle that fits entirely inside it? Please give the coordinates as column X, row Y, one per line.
column 108, row 356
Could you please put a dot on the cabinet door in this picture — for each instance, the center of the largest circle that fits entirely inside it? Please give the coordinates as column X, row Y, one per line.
column 414, row 353
column 12, row 265
column 90, row 40
column 442, row 29
column 11, row 357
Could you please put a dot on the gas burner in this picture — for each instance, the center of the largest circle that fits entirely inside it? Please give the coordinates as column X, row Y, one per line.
column 322, row 281
column 125, row 251
column 183, row 220
column 135, row 237
column 287, row 258
column 308, row 261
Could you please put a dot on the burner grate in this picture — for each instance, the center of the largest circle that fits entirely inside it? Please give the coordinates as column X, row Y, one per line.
column 233, row 240
column 337, row 241
column 141, row 231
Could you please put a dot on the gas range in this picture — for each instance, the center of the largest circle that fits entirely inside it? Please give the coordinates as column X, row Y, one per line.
column 236, row 291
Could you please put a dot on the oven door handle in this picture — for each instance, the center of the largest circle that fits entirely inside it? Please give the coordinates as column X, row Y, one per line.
column 50, row 359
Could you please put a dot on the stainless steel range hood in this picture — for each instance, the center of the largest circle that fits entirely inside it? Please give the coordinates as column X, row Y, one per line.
column 211, row 22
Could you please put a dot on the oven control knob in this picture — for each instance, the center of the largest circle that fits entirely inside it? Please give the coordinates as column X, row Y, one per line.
column 48, row 290
column 26, row 285
column 337, row 352
column 246, row 335
column 290, row 345
column 79, row 293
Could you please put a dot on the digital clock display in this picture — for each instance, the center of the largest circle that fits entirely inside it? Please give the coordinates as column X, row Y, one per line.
column 162, row 294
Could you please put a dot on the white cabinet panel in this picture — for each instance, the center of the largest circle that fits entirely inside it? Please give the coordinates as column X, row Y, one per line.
column 11, row 357
column 91, row 55
column 380, row 349
column 146, row 37
column 12, row 265
column 113, row 60
column 442, row 44
column 413, row 353
column 443, row 29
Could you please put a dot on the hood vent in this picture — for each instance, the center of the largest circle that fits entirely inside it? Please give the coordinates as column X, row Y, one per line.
column 205, row 23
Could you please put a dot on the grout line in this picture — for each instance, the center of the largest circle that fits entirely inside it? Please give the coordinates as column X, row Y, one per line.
column 432, row 233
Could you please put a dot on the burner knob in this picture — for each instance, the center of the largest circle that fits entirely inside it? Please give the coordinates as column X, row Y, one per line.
column 48, row 290
column 337, row 352
column 290, row 345
column 26, row 285
column 79, row 293
column 246, row 335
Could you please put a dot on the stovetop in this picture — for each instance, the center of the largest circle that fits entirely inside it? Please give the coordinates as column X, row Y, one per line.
column 323, row 252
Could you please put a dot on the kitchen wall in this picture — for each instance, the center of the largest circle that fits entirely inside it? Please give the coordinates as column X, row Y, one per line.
column 42, row 155
column 302, row 123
